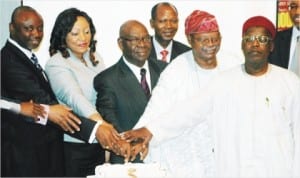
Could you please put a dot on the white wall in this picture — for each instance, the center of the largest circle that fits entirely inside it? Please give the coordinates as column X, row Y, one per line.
column 6, row 9
column 108, row 15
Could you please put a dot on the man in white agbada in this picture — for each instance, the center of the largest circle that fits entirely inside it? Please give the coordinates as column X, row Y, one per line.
column 254, row 110
column 185, row 76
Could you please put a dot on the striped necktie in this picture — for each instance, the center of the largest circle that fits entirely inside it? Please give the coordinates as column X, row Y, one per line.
column 38, row 66
column 144, row 83
column 35, row 61
column 164, row 54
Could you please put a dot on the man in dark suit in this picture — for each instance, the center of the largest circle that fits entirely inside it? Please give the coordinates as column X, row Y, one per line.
column 164, row 21
column 285, row 41
column 29, row 148
column 121, row 99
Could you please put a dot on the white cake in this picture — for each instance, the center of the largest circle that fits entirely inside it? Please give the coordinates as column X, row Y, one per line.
column 130, row 170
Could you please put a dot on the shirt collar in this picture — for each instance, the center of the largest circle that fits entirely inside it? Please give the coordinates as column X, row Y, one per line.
column 295, row 33
column 27, row 52
column 135, row 69
column 158, row 48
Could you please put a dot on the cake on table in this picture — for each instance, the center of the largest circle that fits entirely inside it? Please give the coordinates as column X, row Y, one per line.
column 130, row 170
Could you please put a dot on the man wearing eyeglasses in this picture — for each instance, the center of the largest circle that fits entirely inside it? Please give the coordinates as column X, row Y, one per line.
column 253, row 110
column 123, row 90
column 188, row 74
column 287, row 41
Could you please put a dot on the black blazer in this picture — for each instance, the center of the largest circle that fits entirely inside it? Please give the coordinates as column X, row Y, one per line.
column 120, row 97
column 281, row 53
column 177, row 49
column 22, row 81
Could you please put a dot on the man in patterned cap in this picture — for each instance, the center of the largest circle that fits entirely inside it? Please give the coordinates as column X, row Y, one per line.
column 193, row 70
column 253, row 109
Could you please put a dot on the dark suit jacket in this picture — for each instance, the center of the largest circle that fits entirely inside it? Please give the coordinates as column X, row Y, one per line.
column 120, row 97
column 22, row 81
column 281, row 53
column 177, row 49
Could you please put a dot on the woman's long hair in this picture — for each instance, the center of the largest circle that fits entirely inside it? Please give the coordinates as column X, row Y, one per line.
column 63, row 25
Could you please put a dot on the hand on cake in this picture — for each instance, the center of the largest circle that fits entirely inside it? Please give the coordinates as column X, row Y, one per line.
column 108, row 137
column 139, row 140
column 123, row 148
column 138, row 147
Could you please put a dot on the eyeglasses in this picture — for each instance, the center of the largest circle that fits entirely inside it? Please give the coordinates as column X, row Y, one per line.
column 293, row 7
column 261, row 39
column 134, row 41
column 206, row 41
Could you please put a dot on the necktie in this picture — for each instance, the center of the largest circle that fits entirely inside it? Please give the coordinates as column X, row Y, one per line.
column 295, row 66
column 35, row 61
column 38, row 66
column 144, row 83
column 164, row 54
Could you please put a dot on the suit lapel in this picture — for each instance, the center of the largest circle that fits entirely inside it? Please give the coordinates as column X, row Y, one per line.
column 153, row 52
column 129, row 82
column 26, row 61
column 174, row 50
column 286, row 41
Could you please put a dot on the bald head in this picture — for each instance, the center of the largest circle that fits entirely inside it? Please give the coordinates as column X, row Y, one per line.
column 129, row 26
column 135, row 42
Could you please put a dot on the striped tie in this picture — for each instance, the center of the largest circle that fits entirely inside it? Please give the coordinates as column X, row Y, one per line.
column 38, row 66
column 144, row 83
column 35, row 61
column 164, row 54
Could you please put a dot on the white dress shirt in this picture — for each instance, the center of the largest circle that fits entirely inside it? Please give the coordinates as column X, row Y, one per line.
column 137, row 71
column 158, row 48
column 11, row 106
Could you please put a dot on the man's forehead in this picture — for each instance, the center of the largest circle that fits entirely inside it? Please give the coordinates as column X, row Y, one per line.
column 27, row 15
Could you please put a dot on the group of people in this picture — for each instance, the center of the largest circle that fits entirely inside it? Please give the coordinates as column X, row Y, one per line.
column 34, row 147
column 191, row 109
column 62, row 97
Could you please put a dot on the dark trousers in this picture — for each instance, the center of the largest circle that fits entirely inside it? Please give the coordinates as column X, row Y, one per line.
column 81, row 159
column 44, row 160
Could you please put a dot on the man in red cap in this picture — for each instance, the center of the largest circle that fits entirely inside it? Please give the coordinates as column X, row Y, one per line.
column 192, row 71
column 253, row 110
column 286, row 41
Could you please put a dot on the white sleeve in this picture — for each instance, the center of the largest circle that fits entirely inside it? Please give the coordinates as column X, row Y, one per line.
column 183, row 115
column 12, row 106
column 93, row 134
column 162, row 97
